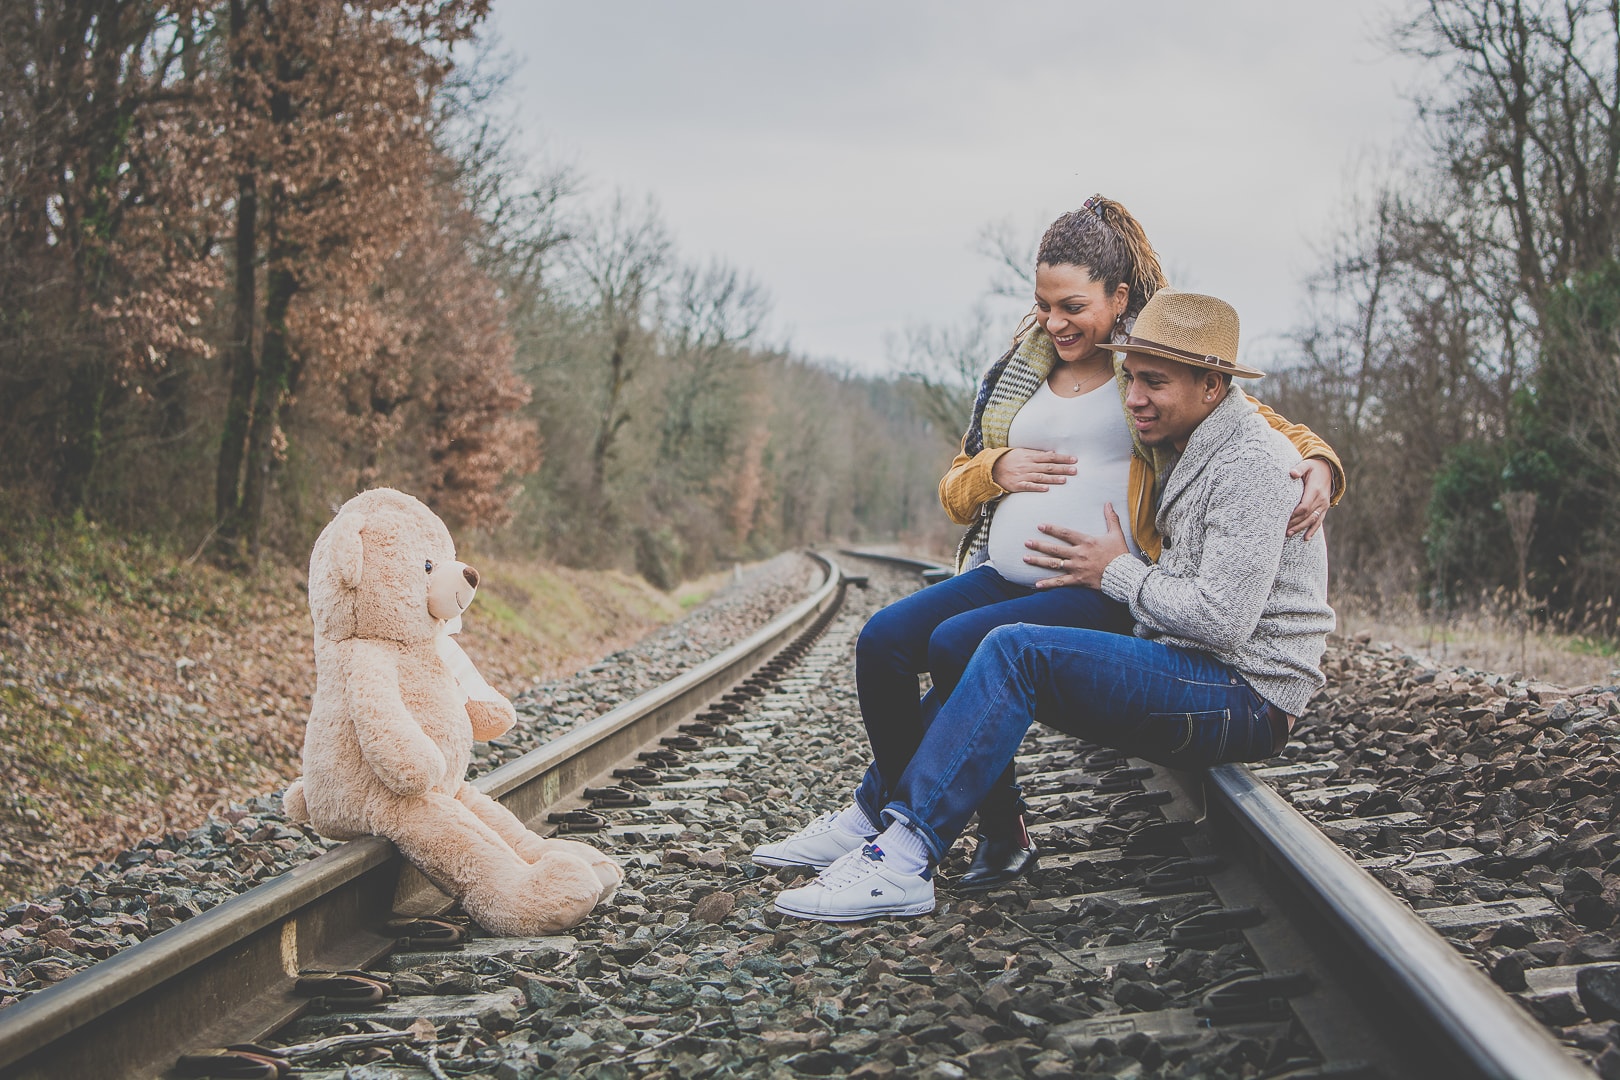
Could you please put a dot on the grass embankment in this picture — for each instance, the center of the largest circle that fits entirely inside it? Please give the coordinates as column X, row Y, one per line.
column 1486, row 640
column 138, row 691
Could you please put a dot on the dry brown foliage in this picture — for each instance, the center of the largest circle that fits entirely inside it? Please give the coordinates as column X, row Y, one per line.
column 262, row 184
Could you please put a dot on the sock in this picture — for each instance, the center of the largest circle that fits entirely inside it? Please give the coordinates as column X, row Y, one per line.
column 854, row 820
column 904, row 849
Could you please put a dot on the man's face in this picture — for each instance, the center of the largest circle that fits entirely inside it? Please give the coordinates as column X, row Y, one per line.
column 1167, row 400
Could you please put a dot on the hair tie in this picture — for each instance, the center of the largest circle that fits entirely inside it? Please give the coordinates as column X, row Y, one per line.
column 1094, row 204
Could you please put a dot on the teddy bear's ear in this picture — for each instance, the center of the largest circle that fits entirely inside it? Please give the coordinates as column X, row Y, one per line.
column 347, row 551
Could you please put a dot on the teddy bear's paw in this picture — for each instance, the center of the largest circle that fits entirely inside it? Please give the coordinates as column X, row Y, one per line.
column 491, row 719
column 293, row 803
column 552, row 895
column 607, row 871
column 611, row 875
column 410, row 775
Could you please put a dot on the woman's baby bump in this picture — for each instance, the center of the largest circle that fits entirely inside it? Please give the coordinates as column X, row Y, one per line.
column 1091, row 429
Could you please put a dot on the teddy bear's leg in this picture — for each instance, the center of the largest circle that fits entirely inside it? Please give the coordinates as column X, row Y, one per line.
column 505, row 823
column 532, row 847
column 505, row 894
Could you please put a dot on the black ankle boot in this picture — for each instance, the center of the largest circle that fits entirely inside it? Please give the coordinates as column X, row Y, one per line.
column 1000, row 859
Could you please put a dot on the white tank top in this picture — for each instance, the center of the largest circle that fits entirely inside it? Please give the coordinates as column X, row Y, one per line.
column 1092, row 429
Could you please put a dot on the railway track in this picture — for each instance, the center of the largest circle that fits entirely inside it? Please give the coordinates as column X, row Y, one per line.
column 1179, row 925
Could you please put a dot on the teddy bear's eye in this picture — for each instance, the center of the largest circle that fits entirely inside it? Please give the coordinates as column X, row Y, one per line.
column 430, row 566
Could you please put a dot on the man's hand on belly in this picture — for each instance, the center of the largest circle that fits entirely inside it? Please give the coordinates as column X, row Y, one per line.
column 1079, row 558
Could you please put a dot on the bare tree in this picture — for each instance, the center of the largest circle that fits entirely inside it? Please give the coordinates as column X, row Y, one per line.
column 1011, row 254
column 519, row 198
column 1425, row 356
column 943, row 365
column 713, row 312
column 1527, row 124
column 104, row 271
column 620, row 263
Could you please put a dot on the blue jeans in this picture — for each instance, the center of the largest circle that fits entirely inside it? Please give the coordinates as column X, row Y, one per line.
column 937, row 630
column 1167, row 704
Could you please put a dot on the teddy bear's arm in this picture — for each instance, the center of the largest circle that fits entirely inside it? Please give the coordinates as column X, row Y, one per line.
column 491, row 714
column 391, row 741
column 490, row 719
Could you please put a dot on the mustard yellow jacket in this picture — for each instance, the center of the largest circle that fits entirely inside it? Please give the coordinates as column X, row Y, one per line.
column 968, row 486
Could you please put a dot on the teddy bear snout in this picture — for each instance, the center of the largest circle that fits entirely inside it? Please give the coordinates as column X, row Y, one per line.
column 449, row 592
column 471, row 575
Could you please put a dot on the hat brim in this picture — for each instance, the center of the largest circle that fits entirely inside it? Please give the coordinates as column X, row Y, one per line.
column 1236, row 370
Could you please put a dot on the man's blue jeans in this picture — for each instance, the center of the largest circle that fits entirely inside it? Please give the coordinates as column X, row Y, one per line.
column 937, row 630
column 1167, row 704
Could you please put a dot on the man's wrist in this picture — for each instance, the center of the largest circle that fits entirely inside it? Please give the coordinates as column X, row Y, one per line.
column 1123, row 576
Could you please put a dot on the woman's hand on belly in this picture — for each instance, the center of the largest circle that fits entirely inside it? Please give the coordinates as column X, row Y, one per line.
column 1078, row 557
column 1021, row 469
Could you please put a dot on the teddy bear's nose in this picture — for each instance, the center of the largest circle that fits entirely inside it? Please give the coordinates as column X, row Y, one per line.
column 471, row 575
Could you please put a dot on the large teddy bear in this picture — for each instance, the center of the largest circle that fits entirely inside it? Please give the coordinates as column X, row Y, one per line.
column 391, row 729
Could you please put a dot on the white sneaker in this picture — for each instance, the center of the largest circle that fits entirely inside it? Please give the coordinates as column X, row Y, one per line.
column 818, row 844
column 860, row 886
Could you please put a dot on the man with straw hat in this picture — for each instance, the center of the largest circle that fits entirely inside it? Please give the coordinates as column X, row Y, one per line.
column 1230, row 623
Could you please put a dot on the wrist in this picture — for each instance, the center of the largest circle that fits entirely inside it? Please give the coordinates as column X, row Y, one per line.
column 993, row 458
column 1123, row 577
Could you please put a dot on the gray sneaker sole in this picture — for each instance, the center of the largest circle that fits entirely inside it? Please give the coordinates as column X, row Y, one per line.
column 773, row 860
column 917, row 908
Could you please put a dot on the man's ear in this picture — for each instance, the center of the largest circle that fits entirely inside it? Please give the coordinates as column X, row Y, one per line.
column 347, row 550
column 1212, row 385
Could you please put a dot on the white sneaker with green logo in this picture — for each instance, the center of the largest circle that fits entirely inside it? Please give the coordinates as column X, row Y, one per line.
column 818, row 844
column 860, row 886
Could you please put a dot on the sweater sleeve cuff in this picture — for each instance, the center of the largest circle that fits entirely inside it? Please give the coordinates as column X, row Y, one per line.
column 986, row 462
column 1122, row 578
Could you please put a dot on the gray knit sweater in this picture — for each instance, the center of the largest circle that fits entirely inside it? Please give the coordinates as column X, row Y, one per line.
column 1229, row 583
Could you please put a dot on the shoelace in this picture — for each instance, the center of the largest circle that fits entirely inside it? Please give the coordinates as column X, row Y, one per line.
column 847, row 871
column 822, row 824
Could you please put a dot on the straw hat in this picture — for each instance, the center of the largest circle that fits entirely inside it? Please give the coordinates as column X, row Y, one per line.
column 1193, row 329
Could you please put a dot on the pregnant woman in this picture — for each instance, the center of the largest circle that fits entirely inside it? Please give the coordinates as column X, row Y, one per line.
column 1048, row 443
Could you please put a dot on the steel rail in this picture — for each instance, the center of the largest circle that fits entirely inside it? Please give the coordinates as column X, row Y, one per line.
column 225, row 976
column 1452, row 1014
column 923, row 566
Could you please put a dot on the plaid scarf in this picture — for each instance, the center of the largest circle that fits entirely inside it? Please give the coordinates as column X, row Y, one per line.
column 1009, row 383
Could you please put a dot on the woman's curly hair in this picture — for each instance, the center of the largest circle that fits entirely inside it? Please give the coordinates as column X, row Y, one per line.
column 1103, row 237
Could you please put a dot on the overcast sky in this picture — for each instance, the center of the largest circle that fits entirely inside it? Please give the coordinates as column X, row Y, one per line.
column 849, row 154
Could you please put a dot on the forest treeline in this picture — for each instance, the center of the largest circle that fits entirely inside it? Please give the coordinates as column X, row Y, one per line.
column 256, row 255
column 1462, row 350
